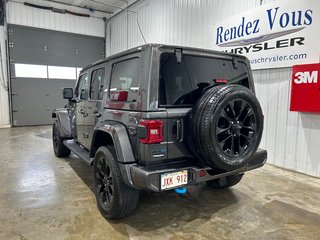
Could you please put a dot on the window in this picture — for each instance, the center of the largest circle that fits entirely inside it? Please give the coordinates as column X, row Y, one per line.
column 56, row 72
column 30, row 70
column 96, row 85
column 44, row 71
column 183, row 83
column 81, row 90
column 125, row 80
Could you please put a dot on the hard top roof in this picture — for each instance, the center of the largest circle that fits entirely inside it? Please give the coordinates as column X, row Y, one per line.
column 161, row 46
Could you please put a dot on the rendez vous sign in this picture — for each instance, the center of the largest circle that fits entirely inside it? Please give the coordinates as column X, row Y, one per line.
column 274, row 35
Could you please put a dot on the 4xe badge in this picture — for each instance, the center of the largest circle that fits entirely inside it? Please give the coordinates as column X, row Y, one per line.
column 305, row 90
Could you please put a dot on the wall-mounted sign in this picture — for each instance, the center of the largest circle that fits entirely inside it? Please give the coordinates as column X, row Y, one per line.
column 305, row 88
column 279, row 34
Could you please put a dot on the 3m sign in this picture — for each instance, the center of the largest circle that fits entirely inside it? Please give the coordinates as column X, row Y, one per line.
column 305, row 90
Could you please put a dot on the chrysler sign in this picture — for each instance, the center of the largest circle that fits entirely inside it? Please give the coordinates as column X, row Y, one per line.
column 274, row 35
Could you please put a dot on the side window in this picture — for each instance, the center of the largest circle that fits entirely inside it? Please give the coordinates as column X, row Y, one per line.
column 125, row 80
column 96, row 85
column 81, row 90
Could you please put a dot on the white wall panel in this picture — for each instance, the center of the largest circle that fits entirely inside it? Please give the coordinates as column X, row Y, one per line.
column 291, row 138
column 178, row 22
column 20, row 14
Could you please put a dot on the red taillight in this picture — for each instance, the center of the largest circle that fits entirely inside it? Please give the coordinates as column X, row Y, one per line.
column 202, row 173
column 154, row 131
column 221, row 81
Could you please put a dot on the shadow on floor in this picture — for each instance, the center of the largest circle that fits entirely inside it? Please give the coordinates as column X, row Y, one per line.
column 82, row 169
column 167, row 208
column 158, row 210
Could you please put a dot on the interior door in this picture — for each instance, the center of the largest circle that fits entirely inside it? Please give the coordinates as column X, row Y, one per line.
column 81, row 112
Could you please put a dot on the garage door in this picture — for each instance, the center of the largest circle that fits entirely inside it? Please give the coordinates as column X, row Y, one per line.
column 42, row 62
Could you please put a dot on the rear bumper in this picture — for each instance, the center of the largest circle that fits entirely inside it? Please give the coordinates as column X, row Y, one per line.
column 143, row 178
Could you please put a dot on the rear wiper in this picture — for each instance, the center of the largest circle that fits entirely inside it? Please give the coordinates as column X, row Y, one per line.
column 178, row 54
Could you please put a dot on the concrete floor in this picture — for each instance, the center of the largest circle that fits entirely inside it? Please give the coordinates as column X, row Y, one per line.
column 43, row 197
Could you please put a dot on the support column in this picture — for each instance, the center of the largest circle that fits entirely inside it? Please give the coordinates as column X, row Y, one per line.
column 4, row 81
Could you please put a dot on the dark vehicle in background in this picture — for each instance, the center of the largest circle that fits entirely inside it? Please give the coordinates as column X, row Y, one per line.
column 159, row 117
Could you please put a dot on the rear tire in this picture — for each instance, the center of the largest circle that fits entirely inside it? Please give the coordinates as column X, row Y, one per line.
column 227, row 126
column 60, row 150
column 229, row 182
column 114, row 198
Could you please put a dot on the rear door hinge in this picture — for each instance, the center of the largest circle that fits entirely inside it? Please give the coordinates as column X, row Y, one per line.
column 235, row 62
column 178, row 54
column 179, row 130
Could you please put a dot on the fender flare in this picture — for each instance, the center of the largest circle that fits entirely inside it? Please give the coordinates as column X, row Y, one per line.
column 63, row 118
column 120, row 138
column 122, row 145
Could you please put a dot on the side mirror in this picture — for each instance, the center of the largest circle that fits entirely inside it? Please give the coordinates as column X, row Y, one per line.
column 67, row 93
column 83, row 95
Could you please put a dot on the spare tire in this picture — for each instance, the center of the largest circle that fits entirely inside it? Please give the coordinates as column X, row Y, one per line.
column 227, row 124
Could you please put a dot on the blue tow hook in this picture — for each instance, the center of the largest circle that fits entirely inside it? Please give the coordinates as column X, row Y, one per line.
column 181, row 191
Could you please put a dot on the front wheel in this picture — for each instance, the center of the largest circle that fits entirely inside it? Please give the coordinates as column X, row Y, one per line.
column 229, row 181
column 114, row 198
column 60, row 150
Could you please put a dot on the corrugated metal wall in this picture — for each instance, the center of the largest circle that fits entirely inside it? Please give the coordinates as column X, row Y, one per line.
column 292, row 139
column 20, row 14
column 178, row 22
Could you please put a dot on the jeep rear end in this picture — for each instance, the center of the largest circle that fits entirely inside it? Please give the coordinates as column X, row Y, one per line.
column 168, row 156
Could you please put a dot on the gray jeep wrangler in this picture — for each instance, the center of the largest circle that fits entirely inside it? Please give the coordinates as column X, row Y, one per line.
column 160, row 117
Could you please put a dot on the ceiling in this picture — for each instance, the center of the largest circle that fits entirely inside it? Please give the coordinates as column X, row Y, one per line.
column 106, row 6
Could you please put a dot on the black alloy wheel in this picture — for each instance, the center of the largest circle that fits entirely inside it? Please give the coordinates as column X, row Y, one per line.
column 115, row 199
column 227, row 125
column 60, row 150
column 236, row 127
column 104, row 180
column 55, row 137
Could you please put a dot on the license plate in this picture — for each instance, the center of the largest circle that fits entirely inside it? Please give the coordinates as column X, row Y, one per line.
column 174, row 179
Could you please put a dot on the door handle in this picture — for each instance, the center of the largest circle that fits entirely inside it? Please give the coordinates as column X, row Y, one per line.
column 84, row 113
column 85, row 135
column 96, row 114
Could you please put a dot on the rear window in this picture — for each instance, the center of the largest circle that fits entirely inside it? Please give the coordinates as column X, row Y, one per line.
column 125, row 80
column 183, row 83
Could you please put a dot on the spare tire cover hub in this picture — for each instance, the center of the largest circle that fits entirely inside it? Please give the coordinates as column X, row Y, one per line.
column 235, row 127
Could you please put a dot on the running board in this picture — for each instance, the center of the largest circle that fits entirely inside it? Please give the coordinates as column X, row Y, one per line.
column 78, row 150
